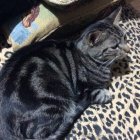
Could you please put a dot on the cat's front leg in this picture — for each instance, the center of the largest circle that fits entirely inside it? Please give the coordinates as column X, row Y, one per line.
column 101, row 96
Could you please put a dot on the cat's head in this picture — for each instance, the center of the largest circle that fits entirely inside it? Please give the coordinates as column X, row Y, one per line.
column 104, row 40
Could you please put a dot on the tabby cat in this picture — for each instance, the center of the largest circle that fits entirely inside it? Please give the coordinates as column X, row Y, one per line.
column 45, row 87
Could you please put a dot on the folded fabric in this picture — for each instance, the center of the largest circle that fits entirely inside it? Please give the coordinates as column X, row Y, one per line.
column 61, row 2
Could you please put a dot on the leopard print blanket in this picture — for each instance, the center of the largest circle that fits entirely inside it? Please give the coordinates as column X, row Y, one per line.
column 119, row 120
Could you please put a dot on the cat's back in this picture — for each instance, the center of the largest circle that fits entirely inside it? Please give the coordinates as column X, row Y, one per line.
column 35, row 53
column 47, row 60
column 35, row 82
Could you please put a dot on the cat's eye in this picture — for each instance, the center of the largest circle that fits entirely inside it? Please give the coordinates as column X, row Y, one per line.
column 115, row 47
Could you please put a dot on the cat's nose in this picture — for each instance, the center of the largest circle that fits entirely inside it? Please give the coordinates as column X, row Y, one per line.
column 126, row 48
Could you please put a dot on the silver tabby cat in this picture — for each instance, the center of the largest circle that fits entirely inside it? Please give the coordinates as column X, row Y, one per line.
column 45, row 87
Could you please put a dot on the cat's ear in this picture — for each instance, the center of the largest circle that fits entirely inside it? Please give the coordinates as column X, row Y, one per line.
column 115, row 16
column 94, row 36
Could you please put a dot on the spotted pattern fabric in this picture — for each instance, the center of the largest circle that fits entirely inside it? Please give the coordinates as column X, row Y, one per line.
column 120, row 119
column 5, row 51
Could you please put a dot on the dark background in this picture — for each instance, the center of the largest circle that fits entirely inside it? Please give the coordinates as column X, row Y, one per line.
column 136, row 4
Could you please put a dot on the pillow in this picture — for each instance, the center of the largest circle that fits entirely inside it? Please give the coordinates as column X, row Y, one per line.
column 61, row 2
column 42, row 20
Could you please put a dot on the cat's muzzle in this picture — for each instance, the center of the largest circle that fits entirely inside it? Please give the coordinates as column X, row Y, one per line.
column 125, row 48
column 123, row 51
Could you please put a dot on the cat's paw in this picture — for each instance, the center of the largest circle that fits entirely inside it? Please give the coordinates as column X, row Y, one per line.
column 101, row 96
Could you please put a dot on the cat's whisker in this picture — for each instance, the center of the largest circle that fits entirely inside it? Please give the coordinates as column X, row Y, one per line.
column 107, row 63
column 104, row 64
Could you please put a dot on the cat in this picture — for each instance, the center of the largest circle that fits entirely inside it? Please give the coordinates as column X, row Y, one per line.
column 46, row 86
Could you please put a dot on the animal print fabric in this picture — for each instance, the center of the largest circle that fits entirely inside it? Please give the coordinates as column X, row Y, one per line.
column 119, row 120
column 5, row 51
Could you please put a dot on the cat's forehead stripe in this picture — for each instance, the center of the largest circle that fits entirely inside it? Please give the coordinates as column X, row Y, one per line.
column 104, row 26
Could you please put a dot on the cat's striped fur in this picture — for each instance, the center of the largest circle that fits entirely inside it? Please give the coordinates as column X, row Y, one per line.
column 45, row 87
